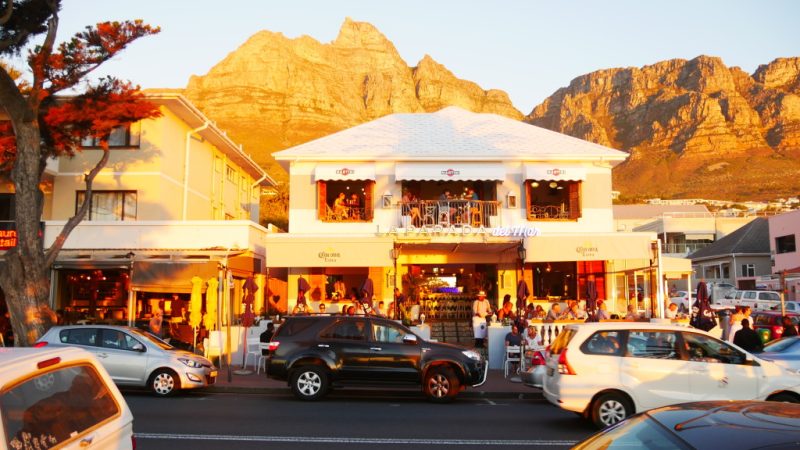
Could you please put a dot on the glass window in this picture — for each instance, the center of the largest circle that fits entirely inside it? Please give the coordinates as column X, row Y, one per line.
column 230, row 172
column 750, row 295
column 707, row 349
column 553, row 200
column 603, row 343
column 109, row 205
column 345, row 201
column 769, row 296
column 79, row 336
column 748, row 270
column 117, row 339
column 384, row 332
column 353, row 330
column 120, row 137
column 51, row 408
column 785, row 244
column 652, row 344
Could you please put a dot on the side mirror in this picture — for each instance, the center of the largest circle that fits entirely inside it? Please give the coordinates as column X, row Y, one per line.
column 409, row 339
column 138, row 347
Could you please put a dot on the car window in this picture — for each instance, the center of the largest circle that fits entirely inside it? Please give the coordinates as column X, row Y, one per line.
column 562, row 340
column 749, row 294
column 293, row 327
column 603, row 343
column 51, row 408
column 353, row 330
column 707, row 349
column 117, row 339
column 652, row 344
column 769, row 296
column 385, row 332
column 781, row 344
column 79, row 336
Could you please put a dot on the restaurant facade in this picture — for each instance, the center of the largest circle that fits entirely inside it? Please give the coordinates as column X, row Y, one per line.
column 443, row 205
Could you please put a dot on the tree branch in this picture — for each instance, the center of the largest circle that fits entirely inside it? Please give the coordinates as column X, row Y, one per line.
column 39, row 63
column 7, row 13
column 58, row 243
column 12, row 99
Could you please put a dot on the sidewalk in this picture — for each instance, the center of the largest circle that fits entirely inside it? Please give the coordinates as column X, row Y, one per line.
column 496, row 385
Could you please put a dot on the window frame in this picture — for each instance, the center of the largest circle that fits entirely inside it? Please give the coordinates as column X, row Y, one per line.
column 324, row 209
column 574, row 199
column 133, row 138
column 748, row 270
column 785, row 244
column 124, row 193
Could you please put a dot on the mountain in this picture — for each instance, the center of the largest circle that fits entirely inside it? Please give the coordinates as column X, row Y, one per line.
column 274, row 92
column 693, row 128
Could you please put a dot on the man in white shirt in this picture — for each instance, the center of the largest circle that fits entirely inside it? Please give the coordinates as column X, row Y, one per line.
column 480, row 309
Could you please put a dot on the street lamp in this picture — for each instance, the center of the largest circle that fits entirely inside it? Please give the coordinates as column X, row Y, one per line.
column 396, row 254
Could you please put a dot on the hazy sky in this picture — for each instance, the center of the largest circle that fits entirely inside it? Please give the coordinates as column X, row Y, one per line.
column 527, row 48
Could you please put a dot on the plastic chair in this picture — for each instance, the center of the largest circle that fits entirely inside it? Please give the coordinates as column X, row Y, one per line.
column 254, row 349
column 262, row 359
column 513, row 356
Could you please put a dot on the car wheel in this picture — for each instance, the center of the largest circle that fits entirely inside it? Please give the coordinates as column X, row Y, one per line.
column 441, row 385
column 784, row 397
column 164, row 383
column 309, row 383
column 609, row 409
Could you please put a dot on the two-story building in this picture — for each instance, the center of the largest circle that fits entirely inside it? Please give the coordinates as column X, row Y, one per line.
column 177, row 199
column 449, row 203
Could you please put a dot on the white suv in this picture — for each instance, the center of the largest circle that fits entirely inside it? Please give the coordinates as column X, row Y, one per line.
column 607, row 371
column 60, row 398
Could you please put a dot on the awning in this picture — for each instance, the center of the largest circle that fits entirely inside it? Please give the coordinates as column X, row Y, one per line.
column 447, row 171
column 588, row 247
column 344, row 171
column 333, row 251
column 554, row 172
column 170, row 277
column 675, row 266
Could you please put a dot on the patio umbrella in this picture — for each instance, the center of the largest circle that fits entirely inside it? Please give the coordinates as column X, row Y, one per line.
column 367, row 291
column 210, row 318
column 195, row 306
column 248, row 316
column 591, row 299
column 702, row 314
column 302, row 288
column 522, row 295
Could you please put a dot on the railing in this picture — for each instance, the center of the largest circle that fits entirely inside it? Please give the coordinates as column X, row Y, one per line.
column 551, row 212
column 346, row 214
column 684, row 248
column 430, row 213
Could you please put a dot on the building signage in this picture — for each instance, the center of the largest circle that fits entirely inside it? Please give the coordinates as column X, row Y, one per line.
column 329, row 255
column 518, row 231
column 451, row 172
column 556, row 172
column 587, row 250
column 345, row 172
column 8, row 234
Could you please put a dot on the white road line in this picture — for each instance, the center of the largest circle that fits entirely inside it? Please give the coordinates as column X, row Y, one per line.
column 354, row 440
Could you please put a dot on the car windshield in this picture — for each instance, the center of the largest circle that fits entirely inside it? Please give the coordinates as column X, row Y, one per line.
column 152, row 338
column 781, row 344
column 637, row 432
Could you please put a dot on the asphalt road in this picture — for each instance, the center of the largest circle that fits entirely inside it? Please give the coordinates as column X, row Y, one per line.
column 348, row 419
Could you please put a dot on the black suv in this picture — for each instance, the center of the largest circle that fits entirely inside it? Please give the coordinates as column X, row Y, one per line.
column 313, row 352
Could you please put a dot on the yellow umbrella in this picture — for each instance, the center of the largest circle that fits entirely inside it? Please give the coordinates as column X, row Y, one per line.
column 195, row 303
column 211, row 304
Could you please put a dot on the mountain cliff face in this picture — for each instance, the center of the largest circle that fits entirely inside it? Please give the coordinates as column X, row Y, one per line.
column 693, row 128
column 274, row 92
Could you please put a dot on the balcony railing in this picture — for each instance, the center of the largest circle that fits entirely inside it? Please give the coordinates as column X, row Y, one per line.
column 684, row 248
column 430, row 213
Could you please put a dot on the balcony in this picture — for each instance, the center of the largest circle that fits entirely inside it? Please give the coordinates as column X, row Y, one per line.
column 446, row 213
column 683, row 249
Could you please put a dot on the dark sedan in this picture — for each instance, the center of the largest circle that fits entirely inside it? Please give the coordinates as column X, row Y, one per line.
column 729, row 425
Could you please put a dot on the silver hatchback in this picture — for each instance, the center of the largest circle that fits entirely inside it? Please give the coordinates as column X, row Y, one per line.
column 136, row 358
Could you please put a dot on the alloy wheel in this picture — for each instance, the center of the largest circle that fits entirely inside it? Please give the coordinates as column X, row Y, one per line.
column 611, row 412
column 163, row 383
column 439, row 385
column 309, row 383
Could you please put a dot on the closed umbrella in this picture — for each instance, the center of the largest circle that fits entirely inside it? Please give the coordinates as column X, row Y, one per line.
column 591, row 299
column 247, row 316
column 367, row 291
column 210, row 318
column 702, row 314
column 195, row 306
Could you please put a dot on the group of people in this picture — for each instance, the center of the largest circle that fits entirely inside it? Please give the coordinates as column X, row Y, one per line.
column 347, row 208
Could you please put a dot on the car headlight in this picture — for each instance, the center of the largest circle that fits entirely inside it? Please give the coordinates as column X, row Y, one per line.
column 472, row 354
column 190, row 363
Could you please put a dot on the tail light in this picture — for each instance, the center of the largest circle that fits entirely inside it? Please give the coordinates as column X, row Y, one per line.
column 777, row 332
column 537, row 359
column 40, row 344
column 273, row 345
column 563, row 365
column 133, row 442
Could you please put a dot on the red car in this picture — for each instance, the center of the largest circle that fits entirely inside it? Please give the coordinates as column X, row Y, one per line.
column 770, row 323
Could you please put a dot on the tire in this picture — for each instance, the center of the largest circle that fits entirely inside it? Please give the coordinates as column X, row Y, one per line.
column 309, row 383
column 441, row 385
column 609, row 409
column 784, row 397
column 164, row 383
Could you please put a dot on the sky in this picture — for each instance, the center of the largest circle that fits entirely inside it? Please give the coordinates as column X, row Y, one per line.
column 527, row 48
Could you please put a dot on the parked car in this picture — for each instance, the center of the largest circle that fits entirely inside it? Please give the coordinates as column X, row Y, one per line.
column 704, row 425
column 754, row 299
column 60, row 398
column 533, row 368
column 784, row 352
column 314, row 352
column 602, row 370
column 680, row 298
column 768, row 324
column 136, row 358
column 790, row 307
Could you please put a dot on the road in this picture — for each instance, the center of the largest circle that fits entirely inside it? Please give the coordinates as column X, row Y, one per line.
column 346, row 420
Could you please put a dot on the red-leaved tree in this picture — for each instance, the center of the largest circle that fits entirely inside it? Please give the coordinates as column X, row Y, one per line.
column 40, row 124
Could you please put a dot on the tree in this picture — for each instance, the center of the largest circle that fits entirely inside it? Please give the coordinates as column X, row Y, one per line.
column 43, row 125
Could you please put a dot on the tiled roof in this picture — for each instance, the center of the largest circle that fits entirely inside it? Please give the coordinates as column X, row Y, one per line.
column 752, row 238
column 451, row 133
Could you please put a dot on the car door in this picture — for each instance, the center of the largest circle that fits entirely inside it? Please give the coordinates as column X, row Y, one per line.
column 718, row 371
column 117, row 354
column 653, row 370
column 347, row 340
column 392, row 359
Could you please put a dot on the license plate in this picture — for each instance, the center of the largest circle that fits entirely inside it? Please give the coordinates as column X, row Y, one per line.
column 550, row 371
column 213, row 374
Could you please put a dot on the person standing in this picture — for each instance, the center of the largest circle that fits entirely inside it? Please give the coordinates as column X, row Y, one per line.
column 156, row 321
column 789, row 329
column 266, row 336
column 748, row 339
column 480, row 309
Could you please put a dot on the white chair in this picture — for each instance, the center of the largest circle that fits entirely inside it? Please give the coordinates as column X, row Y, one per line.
column 262, row 359
column 513, row 356
column 254, row 349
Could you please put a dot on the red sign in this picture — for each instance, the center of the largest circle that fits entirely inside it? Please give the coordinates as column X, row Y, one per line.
column 8, row 239
column 345, row 172
column 451, row 172
column 555, row 172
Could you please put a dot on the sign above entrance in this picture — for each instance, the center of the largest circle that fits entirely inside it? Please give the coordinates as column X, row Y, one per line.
column 344, row 171
column 485, row 171
column 518, row 231
column 557, row 173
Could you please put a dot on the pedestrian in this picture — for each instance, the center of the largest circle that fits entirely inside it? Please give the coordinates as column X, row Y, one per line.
column 789, row 329
column 748, row 339
column 480, row 309
column 602, row 312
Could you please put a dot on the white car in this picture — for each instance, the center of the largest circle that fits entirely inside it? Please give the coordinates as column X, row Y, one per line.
column 791, row 306
column 60, row 398
column 609, row 370
column 680, row 298
column 135, row 358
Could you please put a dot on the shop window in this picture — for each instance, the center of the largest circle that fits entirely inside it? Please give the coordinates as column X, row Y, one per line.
column 121, row 137
column 553, row 200
column 785, row 244
column 345, row 201
column 109, row 205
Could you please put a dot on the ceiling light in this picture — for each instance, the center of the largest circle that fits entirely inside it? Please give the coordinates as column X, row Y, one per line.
column 535, row 184
column 553, row 184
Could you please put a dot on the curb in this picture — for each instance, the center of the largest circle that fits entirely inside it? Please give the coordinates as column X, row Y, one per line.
column 533, row 395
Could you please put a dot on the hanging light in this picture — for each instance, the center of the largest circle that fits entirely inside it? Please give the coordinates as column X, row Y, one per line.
column 548, row 268
column 535, row 184
column 553, row 185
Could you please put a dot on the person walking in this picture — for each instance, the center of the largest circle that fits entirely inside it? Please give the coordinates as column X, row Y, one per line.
column 748, row 339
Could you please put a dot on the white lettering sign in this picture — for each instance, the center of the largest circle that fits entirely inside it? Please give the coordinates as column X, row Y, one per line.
column 516, row 231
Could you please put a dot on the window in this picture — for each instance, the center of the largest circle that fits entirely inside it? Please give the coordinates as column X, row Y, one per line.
column 603, row 343
column 785, row 244
column 748, row 270
column 6, row 206
column 79, row 336
column 230, row 173
column 345, row 201
column 352, row 330
column 707, row 349
column 120, row 137
column 388, row 333
column 553, row 200
column 218, row 164
column 117, row 340
column 652, row 344
column 109, row 205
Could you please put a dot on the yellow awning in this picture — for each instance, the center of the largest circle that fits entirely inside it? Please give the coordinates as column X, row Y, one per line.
column 328, row 251
column 588, row 247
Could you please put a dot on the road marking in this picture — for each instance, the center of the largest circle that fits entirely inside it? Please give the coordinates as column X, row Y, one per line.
column 354, row 440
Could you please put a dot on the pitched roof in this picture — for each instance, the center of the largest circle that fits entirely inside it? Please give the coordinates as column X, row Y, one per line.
column 622, row 212
column 449, row 134
column 752, row 238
